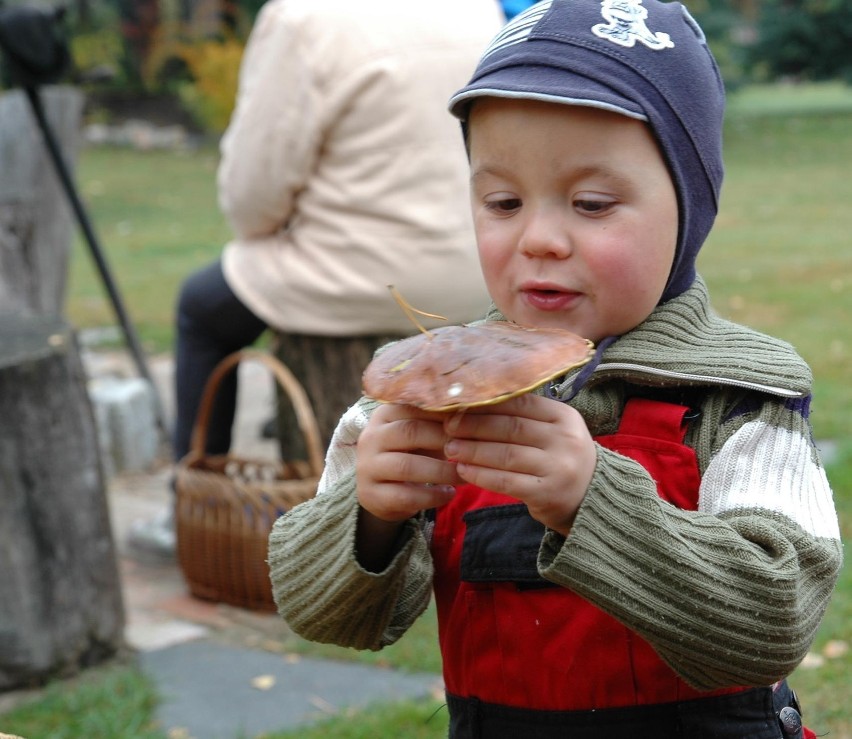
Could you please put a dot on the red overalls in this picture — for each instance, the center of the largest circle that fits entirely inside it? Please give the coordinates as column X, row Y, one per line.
column 519, row 650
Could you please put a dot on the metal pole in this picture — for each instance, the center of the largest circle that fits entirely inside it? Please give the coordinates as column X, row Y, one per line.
column 97, row 254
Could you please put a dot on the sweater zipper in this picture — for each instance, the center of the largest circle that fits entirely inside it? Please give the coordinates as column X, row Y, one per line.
column 697, row 379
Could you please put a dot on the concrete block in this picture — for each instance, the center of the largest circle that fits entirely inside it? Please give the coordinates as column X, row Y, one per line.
column 124, row 407
column 102, row 426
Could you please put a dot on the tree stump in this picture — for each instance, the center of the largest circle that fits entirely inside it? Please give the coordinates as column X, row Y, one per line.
column 329, row 368
column 60, row 594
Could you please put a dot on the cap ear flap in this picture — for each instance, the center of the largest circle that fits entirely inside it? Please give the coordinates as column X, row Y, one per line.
column 693, row 24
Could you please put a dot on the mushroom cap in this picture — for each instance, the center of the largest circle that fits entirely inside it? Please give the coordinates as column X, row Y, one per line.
column 457, row 367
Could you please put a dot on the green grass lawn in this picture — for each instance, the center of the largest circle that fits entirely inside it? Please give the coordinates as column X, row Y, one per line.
column 156, row 217
column 779, row 260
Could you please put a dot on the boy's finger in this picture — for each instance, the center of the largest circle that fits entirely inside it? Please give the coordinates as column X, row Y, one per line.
column 401, row 467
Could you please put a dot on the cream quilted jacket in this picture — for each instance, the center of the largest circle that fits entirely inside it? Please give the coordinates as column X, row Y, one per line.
column 342, row 171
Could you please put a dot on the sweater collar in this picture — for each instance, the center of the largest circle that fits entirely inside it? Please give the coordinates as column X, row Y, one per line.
column 684, row 342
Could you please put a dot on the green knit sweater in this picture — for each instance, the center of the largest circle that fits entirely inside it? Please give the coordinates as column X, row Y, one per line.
column 731, row 594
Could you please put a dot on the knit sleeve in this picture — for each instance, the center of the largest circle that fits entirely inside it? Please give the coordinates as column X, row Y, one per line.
column 731, row 594
column 319, row 587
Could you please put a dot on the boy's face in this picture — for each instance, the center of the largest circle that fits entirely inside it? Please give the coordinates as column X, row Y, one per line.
column 575, row 212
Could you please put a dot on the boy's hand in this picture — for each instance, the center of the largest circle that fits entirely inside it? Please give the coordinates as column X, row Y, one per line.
column 532, row 448
column 401, row 469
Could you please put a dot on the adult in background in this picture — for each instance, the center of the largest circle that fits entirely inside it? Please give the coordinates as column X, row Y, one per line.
column 341, row 173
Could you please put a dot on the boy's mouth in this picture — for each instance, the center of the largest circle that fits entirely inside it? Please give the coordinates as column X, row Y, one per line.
column 548, row 298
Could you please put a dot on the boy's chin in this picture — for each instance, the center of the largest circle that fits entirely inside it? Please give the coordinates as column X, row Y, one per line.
column 541, row 319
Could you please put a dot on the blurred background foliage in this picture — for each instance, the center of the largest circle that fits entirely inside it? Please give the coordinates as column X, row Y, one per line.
column 189, row 50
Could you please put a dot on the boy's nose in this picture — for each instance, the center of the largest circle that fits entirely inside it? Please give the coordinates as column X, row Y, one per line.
column 545, row 234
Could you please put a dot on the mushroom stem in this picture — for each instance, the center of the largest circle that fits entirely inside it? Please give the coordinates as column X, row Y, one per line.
column 410, row 310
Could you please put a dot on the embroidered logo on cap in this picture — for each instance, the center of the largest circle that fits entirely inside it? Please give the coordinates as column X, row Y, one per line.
column 626, row 25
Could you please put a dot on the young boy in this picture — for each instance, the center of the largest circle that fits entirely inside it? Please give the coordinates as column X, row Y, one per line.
column 646, row 547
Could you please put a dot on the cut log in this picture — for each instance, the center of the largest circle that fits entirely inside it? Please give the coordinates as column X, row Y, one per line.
column 330, row 369
column 60, row 596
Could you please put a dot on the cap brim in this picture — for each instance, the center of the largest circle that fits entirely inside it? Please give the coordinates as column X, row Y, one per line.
column 548, row 84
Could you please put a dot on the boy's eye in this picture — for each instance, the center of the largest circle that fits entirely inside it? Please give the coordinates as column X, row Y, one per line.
column 593, row 206
column 503, row 204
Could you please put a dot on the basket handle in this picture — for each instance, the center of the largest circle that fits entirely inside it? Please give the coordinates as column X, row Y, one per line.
column 304, row 412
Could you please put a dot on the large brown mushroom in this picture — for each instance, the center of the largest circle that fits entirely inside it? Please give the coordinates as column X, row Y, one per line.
column 456, row 367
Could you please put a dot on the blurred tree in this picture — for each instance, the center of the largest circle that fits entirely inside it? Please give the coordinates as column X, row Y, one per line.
column 84, row 12
column 251, row 7
column 803, row 39
column 152, row 30
column 139, row 22
column 184, row 10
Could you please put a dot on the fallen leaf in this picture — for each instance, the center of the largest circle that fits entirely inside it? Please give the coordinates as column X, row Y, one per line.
column 835, row 648
column 437, row 691
column 812, row 661
column 263, row 682
column 322, row 704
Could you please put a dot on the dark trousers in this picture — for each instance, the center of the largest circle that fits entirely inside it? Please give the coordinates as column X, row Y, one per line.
column 211, row 324
column 758, row 713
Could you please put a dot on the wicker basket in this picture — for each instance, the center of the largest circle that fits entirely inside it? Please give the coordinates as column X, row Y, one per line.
column 225, row 505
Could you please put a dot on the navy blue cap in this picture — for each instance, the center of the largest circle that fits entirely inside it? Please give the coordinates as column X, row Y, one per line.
column 646, row 60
